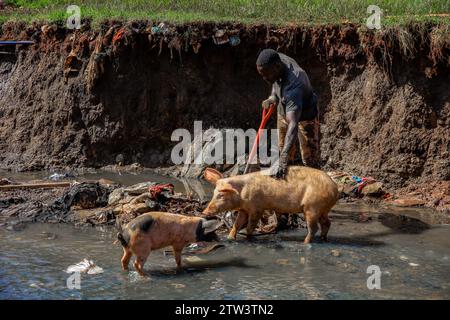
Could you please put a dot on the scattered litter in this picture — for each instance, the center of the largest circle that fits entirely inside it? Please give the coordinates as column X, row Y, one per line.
column 48, row 235
column 178, row 285
column 161, row 189
column 85, row 266
column 5, row 181
column 234, row 40
column 336, row 253
column 404, row 258
column 413, row 264
column 194, row 259
column 302, row 260
column 220, row 37
column 354, row 186
column 60, row 176
column 193, row 246
column 283, row 262
column 16, row 226
column 161, row 28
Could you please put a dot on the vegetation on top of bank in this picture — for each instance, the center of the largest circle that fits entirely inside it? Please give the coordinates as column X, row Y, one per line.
column 245, row 11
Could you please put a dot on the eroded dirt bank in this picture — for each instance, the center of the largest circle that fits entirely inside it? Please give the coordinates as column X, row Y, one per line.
column 92, row 98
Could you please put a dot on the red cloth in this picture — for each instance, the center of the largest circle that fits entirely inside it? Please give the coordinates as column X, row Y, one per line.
column 118, row 36
column 156, row 190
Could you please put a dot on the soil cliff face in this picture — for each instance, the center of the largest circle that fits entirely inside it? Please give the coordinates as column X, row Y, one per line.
column 91, row 98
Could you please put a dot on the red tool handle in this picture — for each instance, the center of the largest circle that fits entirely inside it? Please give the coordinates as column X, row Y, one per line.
column 265, row 117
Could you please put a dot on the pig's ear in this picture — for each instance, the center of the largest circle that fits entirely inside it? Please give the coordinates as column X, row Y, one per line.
column 212, row 175
column 211, row 225
column 229, row 190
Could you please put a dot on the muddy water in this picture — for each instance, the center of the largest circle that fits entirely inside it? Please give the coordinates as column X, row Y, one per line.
column 412, row 252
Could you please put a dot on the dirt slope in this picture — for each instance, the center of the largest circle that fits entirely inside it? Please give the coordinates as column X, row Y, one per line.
column 91, row 98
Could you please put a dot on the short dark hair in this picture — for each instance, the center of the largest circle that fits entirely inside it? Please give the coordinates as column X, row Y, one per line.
column 267, row 57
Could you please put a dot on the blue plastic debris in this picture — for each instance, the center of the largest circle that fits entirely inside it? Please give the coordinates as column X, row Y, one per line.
column 234, row 40
column 12, row 43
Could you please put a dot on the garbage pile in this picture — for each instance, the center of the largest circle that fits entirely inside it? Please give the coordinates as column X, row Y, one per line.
column 357, row 187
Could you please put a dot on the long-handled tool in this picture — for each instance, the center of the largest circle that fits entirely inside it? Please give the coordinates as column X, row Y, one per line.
column 265, row 117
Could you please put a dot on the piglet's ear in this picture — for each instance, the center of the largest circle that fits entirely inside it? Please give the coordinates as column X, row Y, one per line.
column 212, row 175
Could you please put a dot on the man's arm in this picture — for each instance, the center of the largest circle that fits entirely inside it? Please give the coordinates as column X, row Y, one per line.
column 273, row 99
column 292, row 119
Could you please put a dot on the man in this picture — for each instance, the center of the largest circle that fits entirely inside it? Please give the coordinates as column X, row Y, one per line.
column 296, row 103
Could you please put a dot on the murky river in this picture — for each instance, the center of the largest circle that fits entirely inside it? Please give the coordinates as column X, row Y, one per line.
column 410, row 248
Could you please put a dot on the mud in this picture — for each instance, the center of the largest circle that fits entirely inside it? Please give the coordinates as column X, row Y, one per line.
column 93, row 98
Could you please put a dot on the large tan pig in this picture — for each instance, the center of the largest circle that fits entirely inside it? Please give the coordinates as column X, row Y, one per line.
column 304, row 189
column 156, row 230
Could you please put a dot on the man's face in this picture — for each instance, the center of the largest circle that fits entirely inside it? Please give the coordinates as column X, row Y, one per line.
column 269, row 74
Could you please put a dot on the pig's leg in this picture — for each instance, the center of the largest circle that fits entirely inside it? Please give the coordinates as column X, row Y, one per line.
column 253, row 220
column 311, row 222
column 177, row 253
column 141, row 257
column 126, row 258
column 324, row 227
column 139, row 265
column 240, row 221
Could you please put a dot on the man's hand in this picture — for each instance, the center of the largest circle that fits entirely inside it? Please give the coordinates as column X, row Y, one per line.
column 280, row 171
column 269, row 101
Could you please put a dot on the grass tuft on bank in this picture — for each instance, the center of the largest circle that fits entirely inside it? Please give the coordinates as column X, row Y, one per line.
column 278, row 12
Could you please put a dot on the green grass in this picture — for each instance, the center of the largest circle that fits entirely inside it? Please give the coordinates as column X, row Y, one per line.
column 246, row 11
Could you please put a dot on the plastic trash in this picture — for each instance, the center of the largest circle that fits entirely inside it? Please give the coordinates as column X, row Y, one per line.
column 161, row 28
column 193, row 246
column 220, row 37
column 235, row 40
column 59, row 176
column 85, row 266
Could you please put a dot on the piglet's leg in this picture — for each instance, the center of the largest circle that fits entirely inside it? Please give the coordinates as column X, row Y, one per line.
column 177, row 253
column 238, row 224
column 126, row 258
column 139, row 265
column 141, row 256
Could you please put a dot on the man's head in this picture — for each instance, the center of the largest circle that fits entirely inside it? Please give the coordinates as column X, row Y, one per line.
column 269, row 65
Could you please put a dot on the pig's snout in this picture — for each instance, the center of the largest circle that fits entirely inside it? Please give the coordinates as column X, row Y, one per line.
column 210, row 210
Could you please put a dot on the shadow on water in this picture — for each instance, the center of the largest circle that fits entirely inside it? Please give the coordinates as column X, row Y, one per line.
column 201, row 265
column 332, row 240
column 397, row 224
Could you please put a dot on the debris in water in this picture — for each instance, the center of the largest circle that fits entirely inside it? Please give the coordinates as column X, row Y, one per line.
column 5, row 181
column 59, row 176
column 193, row 246
column 48, row 235
column 85, row 266
column 336, row 253
column 16, row 226
column 283, row 262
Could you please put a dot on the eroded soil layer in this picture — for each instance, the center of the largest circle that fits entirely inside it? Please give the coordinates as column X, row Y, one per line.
column 94, row 97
